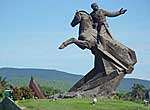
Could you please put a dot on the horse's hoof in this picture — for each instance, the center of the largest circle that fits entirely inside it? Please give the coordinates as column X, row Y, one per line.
column 62, row 46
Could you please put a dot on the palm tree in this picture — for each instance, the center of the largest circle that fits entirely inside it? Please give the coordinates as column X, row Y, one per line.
column 138, row 91
column 3, row 82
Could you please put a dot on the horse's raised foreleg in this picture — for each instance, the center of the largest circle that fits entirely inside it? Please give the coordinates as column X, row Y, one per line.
column 79, row 43
column 66, row 43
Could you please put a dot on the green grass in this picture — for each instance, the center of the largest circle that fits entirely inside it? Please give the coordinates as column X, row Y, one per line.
column 80, row 104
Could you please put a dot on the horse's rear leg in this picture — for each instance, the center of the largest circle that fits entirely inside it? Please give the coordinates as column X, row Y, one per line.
column 82, row 44
column 66, row 43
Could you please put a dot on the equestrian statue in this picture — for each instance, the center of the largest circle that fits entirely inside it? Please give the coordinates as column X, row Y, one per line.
column 113, row 60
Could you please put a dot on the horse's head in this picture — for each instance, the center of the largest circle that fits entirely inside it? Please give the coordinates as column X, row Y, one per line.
column 80, row 15
column 76, row 19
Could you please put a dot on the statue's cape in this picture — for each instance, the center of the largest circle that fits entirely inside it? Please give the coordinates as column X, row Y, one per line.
column 124, row 54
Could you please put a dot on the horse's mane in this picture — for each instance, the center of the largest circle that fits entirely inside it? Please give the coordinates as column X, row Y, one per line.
column 84, row 12
column 87, row 14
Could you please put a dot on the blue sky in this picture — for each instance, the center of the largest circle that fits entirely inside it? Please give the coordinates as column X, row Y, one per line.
column 32, row 30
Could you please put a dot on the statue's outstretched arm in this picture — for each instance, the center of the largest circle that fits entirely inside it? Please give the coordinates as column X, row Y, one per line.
column 114, row 14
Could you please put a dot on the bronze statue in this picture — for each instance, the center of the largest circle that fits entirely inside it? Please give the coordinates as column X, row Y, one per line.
column 100, row 23
column 112, row 59
column 99, row 18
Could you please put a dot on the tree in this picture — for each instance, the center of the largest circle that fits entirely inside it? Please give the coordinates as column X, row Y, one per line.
column 138, row 91
column 124, row 95
column 3, row 82
column 3, row 85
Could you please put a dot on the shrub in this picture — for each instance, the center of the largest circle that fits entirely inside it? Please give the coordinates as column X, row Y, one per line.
column 22, row 92
column 48, row 91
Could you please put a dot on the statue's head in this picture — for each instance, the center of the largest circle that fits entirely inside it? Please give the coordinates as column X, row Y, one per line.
column 94, row 6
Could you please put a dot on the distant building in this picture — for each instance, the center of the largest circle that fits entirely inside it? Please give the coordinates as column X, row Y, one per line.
column 36, row 89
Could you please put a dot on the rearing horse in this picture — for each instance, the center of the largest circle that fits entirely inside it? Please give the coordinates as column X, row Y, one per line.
column 87, row 35
column 88, row 39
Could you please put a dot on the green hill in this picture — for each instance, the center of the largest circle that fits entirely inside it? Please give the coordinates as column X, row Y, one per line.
column 127, row 83
column 57, row 79
column 46, row 74
column 24, row 82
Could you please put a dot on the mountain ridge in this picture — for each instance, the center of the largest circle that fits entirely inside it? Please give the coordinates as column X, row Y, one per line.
column 55, row 75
